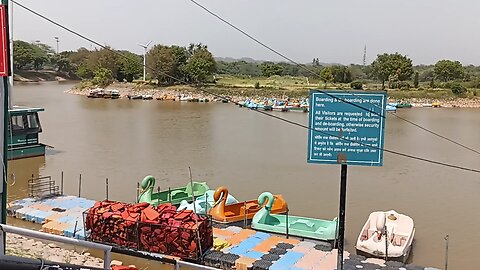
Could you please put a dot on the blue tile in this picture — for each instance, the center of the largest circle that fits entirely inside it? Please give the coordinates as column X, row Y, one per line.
column 289, row 259
column 238, row 250
column 262, row 235
column 279, row 266
column 253, row 254
column 250, row 243
column 40, row 216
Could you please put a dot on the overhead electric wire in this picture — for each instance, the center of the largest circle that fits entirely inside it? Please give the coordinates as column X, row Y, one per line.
column 232, row 101
column 317, row 75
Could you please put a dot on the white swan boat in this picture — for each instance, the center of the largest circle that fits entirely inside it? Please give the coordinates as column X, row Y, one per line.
column 387, row 234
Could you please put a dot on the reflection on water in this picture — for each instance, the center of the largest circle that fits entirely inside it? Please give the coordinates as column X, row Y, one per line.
column 125, row 140
column 19, row 172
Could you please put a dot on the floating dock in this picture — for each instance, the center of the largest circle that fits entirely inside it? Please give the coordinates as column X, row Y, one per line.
column 60, row 215
column 234, row 247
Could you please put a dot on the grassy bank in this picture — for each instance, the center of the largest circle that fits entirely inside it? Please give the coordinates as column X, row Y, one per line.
column 239, row 87
column 42, row 76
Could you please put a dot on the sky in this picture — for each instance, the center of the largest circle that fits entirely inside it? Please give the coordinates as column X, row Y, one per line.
column 334, row 31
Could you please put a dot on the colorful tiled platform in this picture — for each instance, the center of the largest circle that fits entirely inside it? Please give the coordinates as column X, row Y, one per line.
column 61, row 215
column 235, row 248
column 245, row 249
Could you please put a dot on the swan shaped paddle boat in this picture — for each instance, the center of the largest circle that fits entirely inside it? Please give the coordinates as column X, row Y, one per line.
column 223, row 213
column 204, row 203
column 297, row 226
column 397, row 228
column 173, row 196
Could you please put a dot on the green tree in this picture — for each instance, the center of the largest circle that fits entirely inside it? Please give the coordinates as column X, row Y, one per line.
column 415, row 80
column 24, row 54
column 426, row 75
column 326, row 75
column 104, row 58
column 130, row 66
column 161, row 60
column 61, row 63
column 78, row 57
column 458, row 89
column 84, row 72
column 341, row 74
column 447, row 70
column 200, row 66
column 270, row 69
column 387, row 66
column 102, row 77
column 358, row 85
column 181, row 56
column 41, row 55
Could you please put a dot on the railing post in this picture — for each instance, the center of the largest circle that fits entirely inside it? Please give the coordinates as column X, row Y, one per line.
column 106, row 188
column 80, row 185
column 51, row 186
column 107, row 259
column 61, row 184
column 138, row 192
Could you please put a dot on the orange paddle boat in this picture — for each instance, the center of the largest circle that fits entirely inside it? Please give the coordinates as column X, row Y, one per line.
column 236, row 212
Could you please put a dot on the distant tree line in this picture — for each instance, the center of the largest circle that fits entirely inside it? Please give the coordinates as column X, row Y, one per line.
column 196, row 64
column 394, row 71
column 191, row 64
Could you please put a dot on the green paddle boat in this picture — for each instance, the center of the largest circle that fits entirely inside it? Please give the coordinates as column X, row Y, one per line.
column 297, row 226
column 174, row 196
column 404, row 105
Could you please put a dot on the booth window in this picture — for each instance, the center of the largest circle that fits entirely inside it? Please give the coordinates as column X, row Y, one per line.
column 17, row 122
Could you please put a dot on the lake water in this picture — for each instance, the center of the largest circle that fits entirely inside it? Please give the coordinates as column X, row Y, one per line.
column 249, row 153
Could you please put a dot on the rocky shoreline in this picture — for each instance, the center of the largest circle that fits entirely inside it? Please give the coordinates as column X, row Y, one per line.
column 29, row 248
column 169, row 93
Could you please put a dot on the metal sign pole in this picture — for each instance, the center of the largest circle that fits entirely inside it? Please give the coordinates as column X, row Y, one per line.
column 341, row 132
column 4, row 104
column 341, row 219
column 3, row 172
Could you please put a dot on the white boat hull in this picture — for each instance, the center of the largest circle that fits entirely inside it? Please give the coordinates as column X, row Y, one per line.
column 396, row 243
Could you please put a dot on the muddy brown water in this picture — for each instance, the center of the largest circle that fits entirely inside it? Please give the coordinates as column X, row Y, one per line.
column 249, row 153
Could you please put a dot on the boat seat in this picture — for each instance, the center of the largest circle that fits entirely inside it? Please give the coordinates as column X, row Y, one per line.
column 250, row 207
column 177, row 193
column 399, row 240
column 229, row 214
column 299, row 223
column 370, row 233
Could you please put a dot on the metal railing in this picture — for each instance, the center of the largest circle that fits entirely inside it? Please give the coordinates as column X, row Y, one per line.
column 41, row 187
column 107, row 250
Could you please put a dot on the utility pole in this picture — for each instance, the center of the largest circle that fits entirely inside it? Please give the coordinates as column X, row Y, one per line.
column 365, row 55
column 144, row 57
column 56, row 39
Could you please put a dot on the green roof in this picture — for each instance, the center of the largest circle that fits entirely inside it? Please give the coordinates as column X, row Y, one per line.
column 22, row 110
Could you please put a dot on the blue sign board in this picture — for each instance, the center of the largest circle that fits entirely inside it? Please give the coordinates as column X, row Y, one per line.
column 343, row 123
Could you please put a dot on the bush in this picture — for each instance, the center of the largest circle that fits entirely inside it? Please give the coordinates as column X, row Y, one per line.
column 458, row 89
column 356, row 85
column 257, row 85
column 103, row 77
column 401, row 85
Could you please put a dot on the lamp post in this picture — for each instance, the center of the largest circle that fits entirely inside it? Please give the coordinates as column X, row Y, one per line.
column 56, row 39
column 144, row 57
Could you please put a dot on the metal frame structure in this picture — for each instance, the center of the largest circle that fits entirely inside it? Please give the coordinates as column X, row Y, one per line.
column 107, row 250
